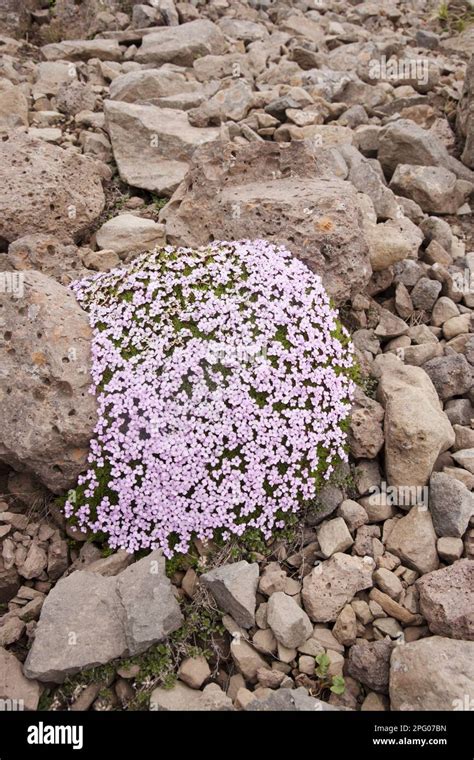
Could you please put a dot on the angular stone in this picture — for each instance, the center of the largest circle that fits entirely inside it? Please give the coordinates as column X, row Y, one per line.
column 19, row 693
column 247, row 659
column 413, row 539
column 449, row 549
column 465, row 458
column 150, row 86
column 67, row 198
column 9, row 582
column 447, row 600
column 345, row 627
column 435, row 189
column 451, row 375
column 284, row 193
column 35, row 562
column 45, row 361
column 465, row 116
column 193, row 671
column 334, row 583
column 13, row 107
column 416, row 429
column 151, row 609
column 88, row 620
column 334, row 536
column 388, row 582
column 451, row 505
column 182, row 44
column 434, row 673
column 234, row 587
column 183, row 698
column 82, row 50
column 128, row 234
column 403, row 140
column 153, row 146
column 290, row 624
column 392, row 241
column 80, row 627
column 365, row 427
column 369, row 663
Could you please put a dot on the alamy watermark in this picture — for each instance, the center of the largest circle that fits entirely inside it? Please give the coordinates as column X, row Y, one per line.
column 12, row 283
column 396, row 69
column 402, row 496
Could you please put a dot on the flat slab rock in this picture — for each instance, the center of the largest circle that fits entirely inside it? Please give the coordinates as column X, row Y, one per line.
column 89, row 620
column 284, row 193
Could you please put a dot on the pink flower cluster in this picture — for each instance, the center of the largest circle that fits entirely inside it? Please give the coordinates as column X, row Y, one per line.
column 222, row 384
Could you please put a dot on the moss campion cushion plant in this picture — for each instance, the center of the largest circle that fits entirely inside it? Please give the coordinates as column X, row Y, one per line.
column 223, row 384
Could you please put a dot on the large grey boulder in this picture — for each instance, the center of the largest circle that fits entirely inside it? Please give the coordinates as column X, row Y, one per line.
column 47, row 414
column 89, row 620
column 404, row 142
column 82, row 50
column 150, row 86
column 284, row 193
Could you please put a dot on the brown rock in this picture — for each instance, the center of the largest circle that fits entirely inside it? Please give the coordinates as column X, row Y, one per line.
column 433, row 673
column 67, row 198
column 413, row 539
column 278, row 192
column 50, row 416
column 447, row 600
column 334, row 583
